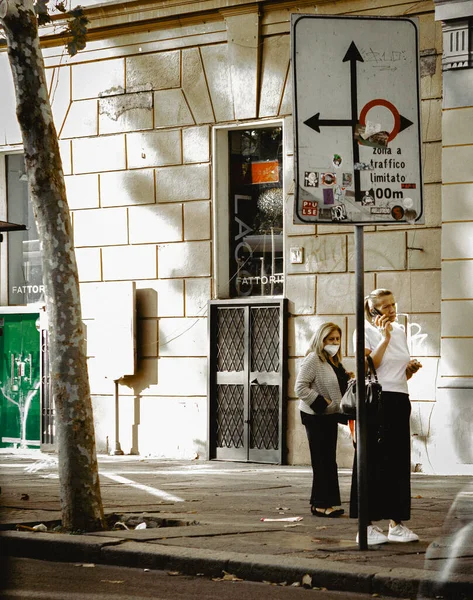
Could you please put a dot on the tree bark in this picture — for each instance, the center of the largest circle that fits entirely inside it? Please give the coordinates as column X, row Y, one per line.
column 81, row 502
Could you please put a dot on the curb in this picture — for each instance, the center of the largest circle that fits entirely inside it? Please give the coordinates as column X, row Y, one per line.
column 252, row 567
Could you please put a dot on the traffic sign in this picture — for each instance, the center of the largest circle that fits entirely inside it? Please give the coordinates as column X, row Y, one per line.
column 356, row 120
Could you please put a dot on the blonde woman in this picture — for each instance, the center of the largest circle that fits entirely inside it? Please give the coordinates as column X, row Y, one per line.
column 320, row 384
column 389, row 452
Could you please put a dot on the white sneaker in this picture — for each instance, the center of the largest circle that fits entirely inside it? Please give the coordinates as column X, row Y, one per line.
column 374, row 536
column 400, row 533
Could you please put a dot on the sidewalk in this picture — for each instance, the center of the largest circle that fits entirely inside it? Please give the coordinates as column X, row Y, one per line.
column 205, row 518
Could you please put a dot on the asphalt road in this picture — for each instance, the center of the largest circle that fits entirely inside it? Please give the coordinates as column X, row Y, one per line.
column 43, row 580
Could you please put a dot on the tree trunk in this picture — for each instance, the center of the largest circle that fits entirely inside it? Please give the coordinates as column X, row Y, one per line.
column 81, row 502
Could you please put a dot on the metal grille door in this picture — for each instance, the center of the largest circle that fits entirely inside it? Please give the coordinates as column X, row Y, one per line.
column 247, row 380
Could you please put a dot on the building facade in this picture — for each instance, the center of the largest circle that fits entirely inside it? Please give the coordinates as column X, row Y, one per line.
column 176, row 134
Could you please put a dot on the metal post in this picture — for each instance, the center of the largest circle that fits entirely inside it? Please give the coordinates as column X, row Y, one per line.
column 361, row 422
column 118, row 450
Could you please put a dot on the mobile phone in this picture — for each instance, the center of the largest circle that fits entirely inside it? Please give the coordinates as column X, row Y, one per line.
column 375, row 312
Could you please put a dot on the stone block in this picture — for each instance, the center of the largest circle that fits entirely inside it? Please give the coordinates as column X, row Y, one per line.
column 457, row 126
column 81, row 120
column 196, row 144
column 300, row 291
column 456, row 318
column 289, row 227
column 177, row 184
column 457, row 280
column 456, row 357
column 217, row 72
column 82, row 191
column 10, row 133
column 160, row 298
column 429, row 257
column 457, row 202
column 286, row 103
column 88, row 299
column 95, row 155
column 96, row 79
column 423, row 334
column 433, row 162
column 155, row 223
column 430, row 32
column 183, row 337
column 275, row 64
column 127, row 112
column 431, row 119
column 457, row 164
column 433, row 204
column 336, row 293
column 153, row 149
column 58, row 81
column 158, row 435
column 188, row 259
column 196, row 221
column 66, row 156
column 322, row 254
column 194, row 86
column 422, row 385
column 127, row 188
column 170, row 376
column 457, row 240
column 89, row 264
column 414, row 291
column 297, row 445
column 157, row 71
column 431, row 79
column 294, row 365
column 301, row 329
column 288, row 130
column 123, row 263
column 171, row 109
column 198, row 293
column 243, row 41
column 100, row 227
column 147, row 337
column 383, row 251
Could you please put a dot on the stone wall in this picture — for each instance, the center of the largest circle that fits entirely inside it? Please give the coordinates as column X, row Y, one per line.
column 134, row 113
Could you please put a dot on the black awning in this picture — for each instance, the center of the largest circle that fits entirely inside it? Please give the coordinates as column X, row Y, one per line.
column 6, row 226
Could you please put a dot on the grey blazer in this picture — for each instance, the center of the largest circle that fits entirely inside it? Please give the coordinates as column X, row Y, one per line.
column 317, row 377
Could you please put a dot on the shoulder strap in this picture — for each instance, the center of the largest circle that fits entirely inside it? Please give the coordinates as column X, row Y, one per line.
column 371, row 369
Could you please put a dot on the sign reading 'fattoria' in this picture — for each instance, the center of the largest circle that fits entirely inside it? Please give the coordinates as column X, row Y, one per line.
column 357, row 120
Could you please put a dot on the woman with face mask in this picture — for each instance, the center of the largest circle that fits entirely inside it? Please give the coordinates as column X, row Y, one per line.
column 320, row 384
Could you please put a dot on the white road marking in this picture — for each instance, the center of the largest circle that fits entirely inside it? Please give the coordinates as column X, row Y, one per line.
column 139, row 486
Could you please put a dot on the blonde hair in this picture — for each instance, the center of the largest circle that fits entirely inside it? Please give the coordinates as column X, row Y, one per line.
column 373, row 300
column 316, row 343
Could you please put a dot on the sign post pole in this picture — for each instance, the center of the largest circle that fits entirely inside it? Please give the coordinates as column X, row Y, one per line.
column 361, row 425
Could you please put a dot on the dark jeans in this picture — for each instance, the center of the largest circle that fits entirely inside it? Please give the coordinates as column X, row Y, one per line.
column 389, row 463
column 322, row 433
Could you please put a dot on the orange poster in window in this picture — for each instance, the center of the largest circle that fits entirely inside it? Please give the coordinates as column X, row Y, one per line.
column 265, row 171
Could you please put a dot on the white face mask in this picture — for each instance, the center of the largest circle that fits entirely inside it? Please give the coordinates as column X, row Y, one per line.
column 331, row 349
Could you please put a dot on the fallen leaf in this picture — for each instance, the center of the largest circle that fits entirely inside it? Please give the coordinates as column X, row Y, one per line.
column 112, row 581
column 417, row 497
column 307, row 580
column 296, row 584
column 86, row 565
column 24, row 497
column 173, row 573
column 230, row 577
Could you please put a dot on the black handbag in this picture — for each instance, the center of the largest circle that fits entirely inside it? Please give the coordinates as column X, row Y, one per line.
column 373, row 391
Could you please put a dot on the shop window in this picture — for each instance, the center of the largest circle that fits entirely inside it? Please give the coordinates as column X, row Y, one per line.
column 255, row 212
column 25, row 274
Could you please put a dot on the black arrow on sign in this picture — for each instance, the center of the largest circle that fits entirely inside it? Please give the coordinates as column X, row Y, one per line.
column 353, row 55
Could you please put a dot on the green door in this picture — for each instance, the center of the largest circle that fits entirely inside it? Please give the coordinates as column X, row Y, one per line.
column 19, row 381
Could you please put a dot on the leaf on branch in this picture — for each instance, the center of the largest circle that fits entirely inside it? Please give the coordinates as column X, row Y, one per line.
column 42, row 11
column 77, row 29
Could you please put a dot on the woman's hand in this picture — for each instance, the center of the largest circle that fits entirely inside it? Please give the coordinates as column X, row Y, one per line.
column 412, row 367
column 383, row 323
